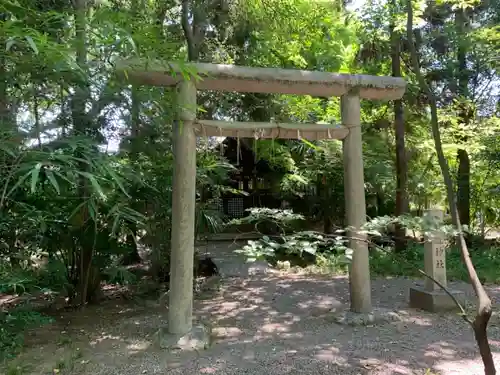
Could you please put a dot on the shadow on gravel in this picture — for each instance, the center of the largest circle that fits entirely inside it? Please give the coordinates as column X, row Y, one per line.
column 273, row 325
column 283, row 322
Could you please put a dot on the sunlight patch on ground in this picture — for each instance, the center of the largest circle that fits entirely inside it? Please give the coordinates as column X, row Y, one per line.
column 420, row 321
column 396, row 369
column 319, row 302
column 209, row 370
column 330, row 354
column 442, row 350
column 473, row 366
column 138, row 346
column 105, row 337
column 226, row 333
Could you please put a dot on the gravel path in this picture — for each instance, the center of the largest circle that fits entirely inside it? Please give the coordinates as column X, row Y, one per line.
column 275, row 324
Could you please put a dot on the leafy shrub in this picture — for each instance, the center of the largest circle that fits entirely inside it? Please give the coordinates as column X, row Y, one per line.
column 18, row 282
column 119, row 275
column 270, row 220
column 486, row 260
column 301, row 249
column 331, row 251
column 385, row 262
column 50, row 276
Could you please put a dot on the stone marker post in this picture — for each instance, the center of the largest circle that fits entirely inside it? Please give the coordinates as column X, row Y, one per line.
column 435, row 253
column 432, row 297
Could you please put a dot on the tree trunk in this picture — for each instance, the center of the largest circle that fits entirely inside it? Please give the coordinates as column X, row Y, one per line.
column 399, row 127
column 36, row 111
column 328, row 223
column 463, row 173
column 4, row 108
column 85, row 271
column 463, row 186
column 193, row 31
column 133, row 256
column 484, row 309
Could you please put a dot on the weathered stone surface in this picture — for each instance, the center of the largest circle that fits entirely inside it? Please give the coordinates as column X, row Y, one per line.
column 355, row 207
column 432, row 297
column 435, row 300
column 197, row 339
column 180, row 298
column 264, row 80
column 375, row 317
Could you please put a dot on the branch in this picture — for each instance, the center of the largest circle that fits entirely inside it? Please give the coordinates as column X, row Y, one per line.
column 462, row 310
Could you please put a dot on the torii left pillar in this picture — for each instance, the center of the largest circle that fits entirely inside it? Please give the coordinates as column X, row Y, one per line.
column 180, row 307
column 354, row 192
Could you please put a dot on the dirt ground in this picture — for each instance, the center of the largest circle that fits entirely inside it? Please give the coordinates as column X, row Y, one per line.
column 262, row 324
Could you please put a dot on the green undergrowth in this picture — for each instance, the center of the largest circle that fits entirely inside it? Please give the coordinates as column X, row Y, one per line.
column 13, row 325
column 309, row 250
column 486, row 260
column 27, row 282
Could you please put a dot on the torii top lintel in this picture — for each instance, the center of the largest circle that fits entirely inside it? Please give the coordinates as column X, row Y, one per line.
column 263, row 80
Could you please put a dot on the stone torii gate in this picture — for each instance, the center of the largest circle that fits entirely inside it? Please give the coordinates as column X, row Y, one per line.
column 351, row 88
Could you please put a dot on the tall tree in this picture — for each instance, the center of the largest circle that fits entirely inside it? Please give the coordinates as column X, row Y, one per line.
column 87, row 277
column 465, row 115
column 134, row 144
column 484, row 308
column 399, row 127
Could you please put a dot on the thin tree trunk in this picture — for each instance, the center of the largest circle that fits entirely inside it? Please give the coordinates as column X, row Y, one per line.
column 4, row 99
column 463, row 186
column 195, row 30
column 62, row 98
column 188, row 31
column 133, row 256
column 484, row 309
column 399, row 127
column 463, row 173
column 36, row 111
column 80, row 126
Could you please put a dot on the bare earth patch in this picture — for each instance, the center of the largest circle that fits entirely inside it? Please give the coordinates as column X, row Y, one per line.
column 269, row 323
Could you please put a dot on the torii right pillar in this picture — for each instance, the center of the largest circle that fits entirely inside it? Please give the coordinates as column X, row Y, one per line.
column 354, row 191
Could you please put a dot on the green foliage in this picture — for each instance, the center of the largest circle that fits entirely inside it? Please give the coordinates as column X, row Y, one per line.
column 37, row 180
column 12, row 327
column 387, row 263
column 302, row 249
column 28, row 279
column 297, row 33
column 64, row 199
column 17, row 283
column 119, row 275
column 271, row 219
column 332, row 252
